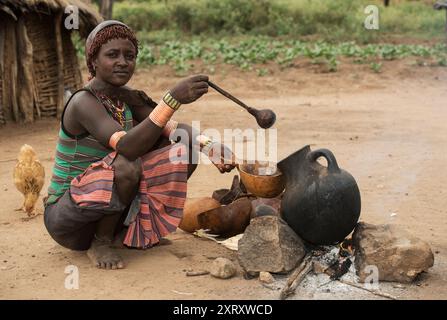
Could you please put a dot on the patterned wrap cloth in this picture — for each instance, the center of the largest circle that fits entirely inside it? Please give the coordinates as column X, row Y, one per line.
column 158, row 207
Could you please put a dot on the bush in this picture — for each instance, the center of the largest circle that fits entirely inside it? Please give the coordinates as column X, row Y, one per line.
column 229, row 16
column 143, row 16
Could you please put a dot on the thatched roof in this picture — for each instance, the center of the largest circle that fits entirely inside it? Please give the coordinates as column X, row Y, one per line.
column 88, row 15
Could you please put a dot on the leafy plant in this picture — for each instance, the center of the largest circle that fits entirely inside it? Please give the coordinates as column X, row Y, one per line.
column 332, row 64
column 376, row 67
column 262, row 72
column 442, row 61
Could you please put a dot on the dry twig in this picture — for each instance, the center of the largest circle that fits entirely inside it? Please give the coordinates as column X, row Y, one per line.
column 197, row 273
column 355, row 285
column 296, row 277
column 375, row 292
column 8, row 160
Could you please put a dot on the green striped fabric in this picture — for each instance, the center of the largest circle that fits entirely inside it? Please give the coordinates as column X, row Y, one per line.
column 74, row 155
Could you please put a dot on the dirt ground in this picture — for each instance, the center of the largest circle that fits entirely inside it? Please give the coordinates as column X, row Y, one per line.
column 388, row 130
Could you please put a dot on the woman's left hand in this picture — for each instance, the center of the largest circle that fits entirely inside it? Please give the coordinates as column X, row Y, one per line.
column 222, row 157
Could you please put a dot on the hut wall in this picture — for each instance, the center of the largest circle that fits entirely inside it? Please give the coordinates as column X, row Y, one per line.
column 72, row 72
column 16, row 74
column 38, row 60
column 2, row 115
column 25, row 80
column 40, row 30
column 2, row 55
column 9, row 102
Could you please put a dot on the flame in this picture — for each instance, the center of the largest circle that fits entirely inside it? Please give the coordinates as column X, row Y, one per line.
column 347, row 247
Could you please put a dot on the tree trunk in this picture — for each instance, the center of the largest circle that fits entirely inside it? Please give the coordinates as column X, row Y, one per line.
column 387, row 3
column 106, row 9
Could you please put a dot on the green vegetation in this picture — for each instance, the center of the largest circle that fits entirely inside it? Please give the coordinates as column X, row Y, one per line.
column 376, row 67
column 257, row 34
column 249, row 53
column 332, row 21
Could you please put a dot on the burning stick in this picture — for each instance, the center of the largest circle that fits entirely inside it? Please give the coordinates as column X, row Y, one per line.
column 296, row 277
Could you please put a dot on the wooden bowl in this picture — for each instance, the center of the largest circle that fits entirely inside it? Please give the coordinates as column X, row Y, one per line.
column 194, row 207
column 227, row 221
column 263, row 186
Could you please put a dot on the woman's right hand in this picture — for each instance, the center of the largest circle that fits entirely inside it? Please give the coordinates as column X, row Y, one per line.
column 222, row 157
column 190, row 89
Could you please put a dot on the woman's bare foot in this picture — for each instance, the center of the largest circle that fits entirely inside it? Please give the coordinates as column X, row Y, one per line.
column 103, row 256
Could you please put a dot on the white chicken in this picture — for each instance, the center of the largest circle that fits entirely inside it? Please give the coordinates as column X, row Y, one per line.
column 29, row 178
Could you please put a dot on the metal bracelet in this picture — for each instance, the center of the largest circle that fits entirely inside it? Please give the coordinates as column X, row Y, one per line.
column 171, row 101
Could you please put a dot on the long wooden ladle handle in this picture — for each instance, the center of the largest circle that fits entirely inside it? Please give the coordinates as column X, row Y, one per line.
column 229, row 96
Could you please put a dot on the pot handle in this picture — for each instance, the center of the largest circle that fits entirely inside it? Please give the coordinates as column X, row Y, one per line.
column 331, row 161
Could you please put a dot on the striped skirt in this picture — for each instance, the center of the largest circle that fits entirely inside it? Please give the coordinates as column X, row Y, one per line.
column 158, row 207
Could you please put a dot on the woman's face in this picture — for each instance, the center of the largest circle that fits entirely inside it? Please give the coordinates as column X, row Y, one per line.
column 115, row 62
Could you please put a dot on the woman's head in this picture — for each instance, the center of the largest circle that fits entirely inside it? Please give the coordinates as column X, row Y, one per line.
column 111, row 51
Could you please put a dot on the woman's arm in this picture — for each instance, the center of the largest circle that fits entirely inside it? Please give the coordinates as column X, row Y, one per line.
column 92, row 116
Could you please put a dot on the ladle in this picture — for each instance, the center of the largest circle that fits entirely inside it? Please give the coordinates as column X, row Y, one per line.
column 265, row 117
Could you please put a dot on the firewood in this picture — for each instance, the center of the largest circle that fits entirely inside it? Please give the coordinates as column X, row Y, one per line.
column 197, row 273
column 296, row 277
column 375, row 292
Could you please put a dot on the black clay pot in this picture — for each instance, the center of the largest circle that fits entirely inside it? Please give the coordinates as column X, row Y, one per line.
column 321, row 204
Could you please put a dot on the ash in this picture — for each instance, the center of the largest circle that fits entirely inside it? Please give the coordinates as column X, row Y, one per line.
column 321, row 284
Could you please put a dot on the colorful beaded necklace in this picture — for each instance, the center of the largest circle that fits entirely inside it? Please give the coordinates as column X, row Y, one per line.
column 116, row 110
